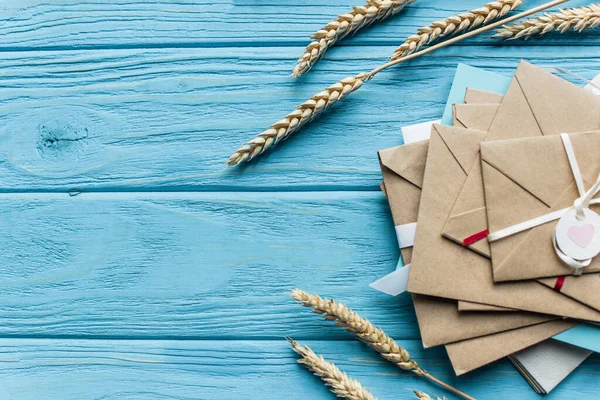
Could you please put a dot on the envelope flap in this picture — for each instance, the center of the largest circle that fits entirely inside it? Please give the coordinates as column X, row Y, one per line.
column 408, row 161
column 540, row 165
column 459, row 228
column 462, row 143
column 525, row 161
column 514, row 118
column 477, row 96
column 558, row 105
column 476, row 116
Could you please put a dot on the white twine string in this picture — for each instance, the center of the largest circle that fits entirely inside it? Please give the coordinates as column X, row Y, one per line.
column 574, row 75
column 580, row 204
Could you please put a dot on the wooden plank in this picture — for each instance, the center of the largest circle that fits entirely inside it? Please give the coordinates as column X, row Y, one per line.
column 168, row 119
column 60, row 24
column 182, row 370
column 193, row 265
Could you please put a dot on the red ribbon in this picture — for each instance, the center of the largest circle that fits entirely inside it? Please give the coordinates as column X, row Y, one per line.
column 476, row 237
column 559, row 283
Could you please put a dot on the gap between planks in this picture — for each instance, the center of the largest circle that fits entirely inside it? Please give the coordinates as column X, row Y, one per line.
column 174, row 193
column 251, row 44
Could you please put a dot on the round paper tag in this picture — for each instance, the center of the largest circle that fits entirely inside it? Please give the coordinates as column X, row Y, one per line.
column 579, row 239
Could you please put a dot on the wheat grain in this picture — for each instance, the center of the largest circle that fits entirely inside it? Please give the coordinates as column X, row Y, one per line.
column 368, row 333
column 455, row 24
column 344, row 25
column 576, row 19
column 339, row 383
column 424, row 396
column 301, row 116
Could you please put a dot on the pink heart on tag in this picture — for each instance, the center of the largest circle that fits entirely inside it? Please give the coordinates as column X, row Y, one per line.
column 581, row 235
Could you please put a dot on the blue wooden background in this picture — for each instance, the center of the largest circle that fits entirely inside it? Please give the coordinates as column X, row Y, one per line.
column 134, row 267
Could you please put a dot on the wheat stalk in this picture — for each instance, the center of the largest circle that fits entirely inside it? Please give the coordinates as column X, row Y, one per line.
column 301, row 116
column 455, row 24
column 576, row 19
column 368, row 333
column 344, row 25
column 338, row 381
column 424, row 396
column 320, row 102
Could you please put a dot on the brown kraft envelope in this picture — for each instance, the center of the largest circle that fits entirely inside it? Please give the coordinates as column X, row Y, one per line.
column 479, row 117
column 404, row 202
column 478, row 111
column 537, row 103
column 442, row 269
column 471, row 354
column 440, row 322
column 474, row 116
column 403, row 168
column 465, row 306
column 528, row 178
column 477, row 96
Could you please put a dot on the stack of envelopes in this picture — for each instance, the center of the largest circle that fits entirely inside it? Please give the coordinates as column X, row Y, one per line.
column 497, row 161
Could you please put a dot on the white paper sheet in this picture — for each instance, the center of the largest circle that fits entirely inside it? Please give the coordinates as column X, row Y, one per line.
column 406, row 235
column 418, row 132
column 596, row 84
column 395, row 283
column 548, row 363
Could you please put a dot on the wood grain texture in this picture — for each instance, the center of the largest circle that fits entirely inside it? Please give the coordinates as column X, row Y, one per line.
column 168, row 119
column 193, row 265
column 137, row 292
column 224, row 370
column 60, row 24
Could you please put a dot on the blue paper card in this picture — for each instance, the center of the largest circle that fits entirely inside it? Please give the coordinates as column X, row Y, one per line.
column 475, row 78
column 584, row 335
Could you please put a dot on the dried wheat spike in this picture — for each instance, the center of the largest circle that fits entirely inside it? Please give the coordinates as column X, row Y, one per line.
column 344, row 25
column 338, row 381
column 576, row 19
column 368, row 333
column 452, row 25
column 301, row 116
column 361, row 327
column 424, row 396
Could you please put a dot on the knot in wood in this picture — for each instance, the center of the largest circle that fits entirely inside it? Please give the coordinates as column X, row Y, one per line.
column 59, row 139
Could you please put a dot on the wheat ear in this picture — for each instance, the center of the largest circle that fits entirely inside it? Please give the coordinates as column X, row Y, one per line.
column 368, row 333
column 455, row 24
column 344, row 25
column 576, row 19
column 301, row 116
column 424, row 396
column 339, row 383
column 320, row 102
